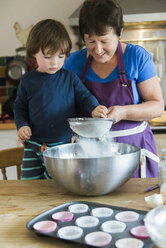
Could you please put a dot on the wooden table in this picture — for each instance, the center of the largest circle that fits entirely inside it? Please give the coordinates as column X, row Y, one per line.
column 20, row 201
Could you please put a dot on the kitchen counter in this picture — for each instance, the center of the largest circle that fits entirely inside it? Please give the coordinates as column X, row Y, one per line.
column 20, row 201
column 158, row 124
column 7, row 126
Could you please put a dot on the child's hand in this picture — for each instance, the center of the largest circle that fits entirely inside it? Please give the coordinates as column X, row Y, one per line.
column 24, row 133
column 100, row 112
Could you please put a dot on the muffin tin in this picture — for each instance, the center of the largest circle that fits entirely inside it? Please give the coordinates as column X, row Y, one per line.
column 93, row 224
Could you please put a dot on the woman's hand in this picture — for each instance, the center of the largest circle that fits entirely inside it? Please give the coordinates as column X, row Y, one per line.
column 116, row 113
column 100, row 112
column 24, row 133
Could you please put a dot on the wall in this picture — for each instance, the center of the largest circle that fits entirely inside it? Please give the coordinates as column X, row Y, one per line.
column 28, row 12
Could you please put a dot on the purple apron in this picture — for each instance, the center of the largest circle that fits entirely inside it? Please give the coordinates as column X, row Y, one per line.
column 119, row 92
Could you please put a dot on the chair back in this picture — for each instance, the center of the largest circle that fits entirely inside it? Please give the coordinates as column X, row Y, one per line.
column 11, row 157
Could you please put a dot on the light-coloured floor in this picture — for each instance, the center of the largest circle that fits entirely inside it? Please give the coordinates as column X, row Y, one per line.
column 11, row 173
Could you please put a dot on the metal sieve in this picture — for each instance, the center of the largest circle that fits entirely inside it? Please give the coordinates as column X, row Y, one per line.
column 90, row 127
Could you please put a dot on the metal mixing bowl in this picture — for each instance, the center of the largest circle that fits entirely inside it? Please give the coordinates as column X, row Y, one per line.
column 90, row 127
column 92, row 175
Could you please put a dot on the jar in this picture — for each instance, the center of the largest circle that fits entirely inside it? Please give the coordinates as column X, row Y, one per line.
column 162, row 167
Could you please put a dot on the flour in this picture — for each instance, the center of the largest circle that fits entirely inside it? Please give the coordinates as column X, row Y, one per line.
column 97, row 148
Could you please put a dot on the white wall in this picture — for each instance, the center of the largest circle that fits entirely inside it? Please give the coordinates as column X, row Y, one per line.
column 28, row 12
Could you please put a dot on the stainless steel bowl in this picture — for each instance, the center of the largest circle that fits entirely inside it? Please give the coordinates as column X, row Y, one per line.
column 95, row 175
column 90, row 127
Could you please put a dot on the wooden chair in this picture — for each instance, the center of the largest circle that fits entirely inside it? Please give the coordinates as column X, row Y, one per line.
column 11, row 157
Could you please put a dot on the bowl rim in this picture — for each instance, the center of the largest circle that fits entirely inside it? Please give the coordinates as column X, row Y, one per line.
column 88, row 119
column 138, row 149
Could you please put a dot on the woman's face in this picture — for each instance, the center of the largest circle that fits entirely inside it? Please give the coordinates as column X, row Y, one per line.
column 102, row 48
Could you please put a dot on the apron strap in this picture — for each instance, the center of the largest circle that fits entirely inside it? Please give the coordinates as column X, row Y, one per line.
column 86, row 68
column 121, row 68
column 127, row 132
column 145, row 153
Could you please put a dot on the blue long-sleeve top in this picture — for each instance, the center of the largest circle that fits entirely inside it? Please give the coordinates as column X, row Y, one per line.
column 44, row 102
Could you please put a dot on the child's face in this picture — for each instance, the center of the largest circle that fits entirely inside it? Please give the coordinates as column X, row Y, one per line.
column 49, row 63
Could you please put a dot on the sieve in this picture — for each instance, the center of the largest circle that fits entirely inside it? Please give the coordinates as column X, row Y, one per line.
column 90, row 127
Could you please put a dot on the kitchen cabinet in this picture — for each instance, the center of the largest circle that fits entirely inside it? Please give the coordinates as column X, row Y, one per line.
column 158, row 126
column 8, row 139
column 8, row 136
column 160, row 140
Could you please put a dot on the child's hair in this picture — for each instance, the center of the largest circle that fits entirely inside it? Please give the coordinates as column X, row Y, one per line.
column 48, row 34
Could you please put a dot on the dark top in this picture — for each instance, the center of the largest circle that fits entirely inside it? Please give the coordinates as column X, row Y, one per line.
column 45, row 101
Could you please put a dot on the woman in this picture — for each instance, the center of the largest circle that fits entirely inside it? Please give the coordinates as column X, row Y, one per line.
column 121, row 76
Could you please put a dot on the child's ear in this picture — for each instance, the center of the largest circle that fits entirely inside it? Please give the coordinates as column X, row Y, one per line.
column 32, row 63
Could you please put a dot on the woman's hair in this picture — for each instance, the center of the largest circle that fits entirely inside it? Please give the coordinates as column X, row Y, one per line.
column 48, row 34
column 97, row 15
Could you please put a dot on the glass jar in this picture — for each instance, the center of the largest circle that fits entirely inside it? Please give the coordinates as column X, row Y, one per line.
column 162, row 167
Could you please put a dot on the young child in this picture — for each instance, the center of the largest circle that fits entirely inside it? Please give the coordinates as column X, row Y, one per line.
column 48, row 96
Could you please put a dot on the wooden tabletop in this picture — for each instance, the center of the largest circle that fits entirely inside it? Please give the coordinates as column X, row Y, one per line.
column 20, row 201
